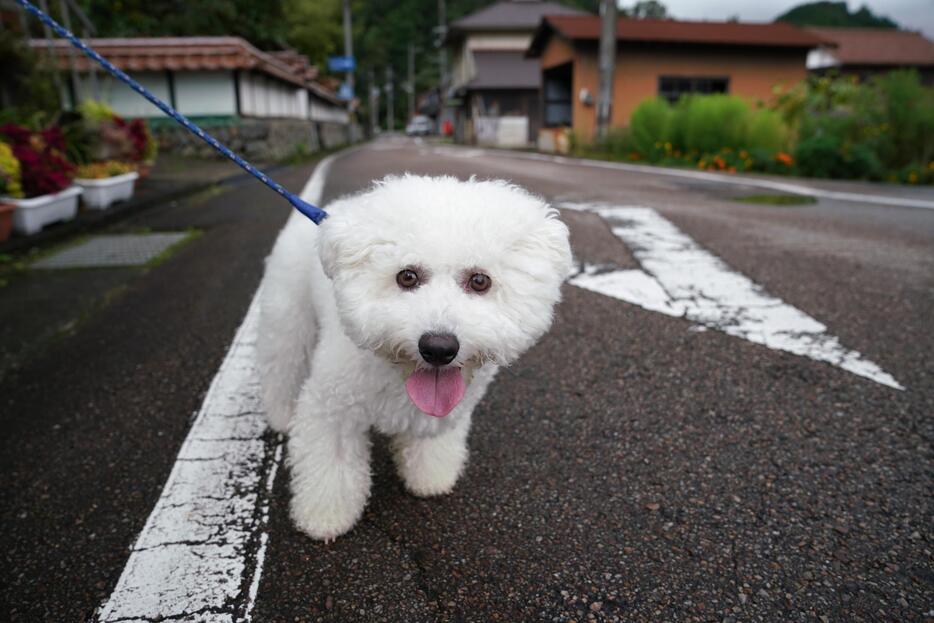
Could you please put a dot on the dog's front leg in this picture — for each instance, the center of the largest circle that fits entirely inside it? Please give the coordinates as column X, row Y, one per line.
column 330, row 463
column 431, row 465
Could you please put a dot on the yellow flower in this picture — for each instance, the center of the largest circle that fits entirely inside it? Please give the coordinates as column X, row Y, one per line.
column 10, row 172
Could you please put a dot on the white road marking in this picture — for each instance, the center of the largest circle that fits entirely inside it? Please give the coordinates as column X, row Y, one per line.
column 795, row 188
column 190, row 561
column 680, row 278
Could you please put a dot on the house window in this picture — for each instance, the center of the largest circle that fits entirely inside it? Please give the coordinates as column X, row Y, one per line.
column 556, row 92
column 673, row 87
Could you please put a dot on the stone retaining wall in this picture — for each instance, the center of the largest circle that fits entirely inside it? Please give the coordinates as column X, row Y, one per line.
column 255, row 139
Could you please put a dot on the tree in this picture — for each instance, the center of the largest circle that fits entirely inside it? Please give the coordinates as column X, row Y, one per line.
column 315, row 28
column 826, row 13
column 647, row 9
column 261, row 23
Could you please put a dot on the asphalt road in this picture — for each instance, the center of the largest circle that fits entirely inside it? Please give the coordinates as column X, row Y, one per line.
column 630, row 467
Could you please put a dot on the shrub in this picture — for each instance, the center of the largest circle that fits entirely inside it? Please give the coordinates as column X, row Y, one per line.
column 875, row 130
column 650, row 125
column 10, row 185
column 905, row 110
column 618, row 143
column 45, row 169
column 765, row 130
column 710, row 122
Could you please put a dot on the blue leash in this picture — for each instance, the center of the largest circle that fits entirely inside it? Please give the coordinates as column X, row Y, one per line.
column 315, row 213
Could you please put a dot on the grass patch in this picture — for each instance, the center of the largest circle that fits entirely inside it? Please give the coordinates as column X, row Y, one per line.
column 192, row 234
column 777, row 200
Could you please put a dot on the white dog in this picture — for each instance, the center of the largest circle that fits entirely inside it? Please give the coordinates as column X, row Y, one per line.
column 395, row 313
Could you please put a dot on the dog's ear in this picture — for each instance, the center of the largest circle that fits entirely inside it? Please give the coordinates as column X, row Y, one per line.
column 548, row 244
column 332, row 234
column 341, row 244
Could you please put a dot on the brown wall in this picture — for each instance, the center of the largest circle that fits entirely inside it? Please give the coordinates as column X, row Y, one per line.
column 753, row 73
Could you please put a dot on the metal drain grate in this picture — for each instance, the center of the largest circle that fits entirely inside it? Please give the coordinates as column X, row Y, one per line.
column 104, row 251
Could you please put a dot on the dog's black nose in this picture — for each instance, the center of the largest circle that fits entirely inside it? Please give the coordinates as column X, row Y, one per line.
column 438, row 348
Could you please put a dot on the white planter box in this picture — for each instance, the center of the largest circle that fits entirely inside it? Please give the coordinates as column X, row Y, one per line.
column 31, row 215
column 100, row 194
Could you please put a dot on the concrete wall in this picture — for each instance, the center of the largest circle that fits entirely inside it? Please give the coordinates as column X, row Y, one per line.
column 262, row 140
column 209, row 93
column 205, row 92
column 125, row 101
column 753, row 72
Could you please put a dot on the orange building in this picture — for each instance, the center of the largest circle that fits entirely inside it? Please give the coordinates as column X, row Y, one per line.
column 664, row 58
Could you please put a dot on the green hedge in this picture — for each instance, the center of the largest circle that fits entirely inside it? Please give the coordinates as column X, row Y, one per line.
column 834, row 127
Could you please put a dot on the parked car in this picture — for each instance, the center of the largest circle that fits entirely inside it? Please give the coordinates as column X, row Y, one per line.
column 420, row 125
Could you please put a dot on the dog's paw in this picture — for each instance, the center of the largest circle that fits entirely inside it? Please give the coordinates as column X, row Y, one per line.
column 430, row 467
column 324, row 521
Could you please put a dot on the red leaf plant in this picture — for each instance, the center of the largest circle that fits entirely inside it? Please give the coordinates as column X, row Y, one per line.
column 45, row 169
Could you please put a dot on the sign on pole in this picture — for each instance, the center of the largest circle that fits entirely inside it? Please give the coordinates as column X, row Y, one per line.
column 345, row 92
column 342, row 63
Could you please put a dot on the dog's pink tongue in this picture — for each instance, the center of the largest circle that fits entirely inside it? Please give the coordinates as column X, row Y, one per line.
column 436, row 392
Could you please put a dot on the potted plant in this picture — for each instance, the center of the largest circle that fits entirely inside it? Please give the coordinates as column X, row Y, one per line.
column 48, row 194
column 111, row 137
column 9, row 187
column 105, row 183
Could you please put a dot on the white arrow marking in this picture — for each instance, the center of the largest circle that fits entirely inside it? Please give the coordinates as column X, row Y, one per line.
column 190, row 561
column 680, row 278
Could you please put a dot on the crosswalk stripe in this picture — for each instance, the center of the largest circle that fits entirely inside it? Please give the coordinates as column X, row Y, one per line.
column 680, row 278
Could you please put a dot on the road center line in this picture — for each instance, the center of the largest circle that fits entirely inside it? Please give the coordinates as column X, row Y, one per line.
column 680, row 278
column 200, row 554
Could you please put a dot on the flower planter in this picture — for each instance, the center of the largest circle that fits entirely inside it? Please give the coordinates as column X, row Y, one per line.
column 100, row 194
column 33, row 214
column 6, row 220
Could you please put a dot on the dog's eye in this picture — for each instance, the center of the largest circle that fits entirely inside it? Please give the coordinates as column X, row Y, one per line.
column 407, row 279
column 480, row 282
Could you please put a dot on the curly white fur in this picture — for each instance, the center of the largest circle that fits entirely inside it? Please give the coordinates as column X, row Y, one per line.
column 338, row 336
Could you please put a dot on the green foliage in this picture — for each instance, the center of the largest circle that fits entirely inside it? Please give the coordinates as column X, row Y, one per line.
column 707, row 123
column 882, row 129
column 777, row 200
column 315, row 28
column 95, row 111
column 26, row 91
column 646, row 9
column 261, row 23
column 766, row 130
column 834, row 14
column 650, row 124
column 713, row 132
column 834, row 126
column 10, row 178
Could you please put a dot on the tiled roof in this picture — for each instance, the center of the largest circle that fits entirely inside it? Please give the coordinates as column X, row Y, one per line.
column 187, row 53
column 512, row 15
column 587, row 27
column 504, row 70
column 875, row 46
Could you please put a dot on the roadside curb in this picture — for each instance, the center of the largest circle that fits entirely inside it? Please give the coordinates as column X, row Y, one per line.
column 91, row 220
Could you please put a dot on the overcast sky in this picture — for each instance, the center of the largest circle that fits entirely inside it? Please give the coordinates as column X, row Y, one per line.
column 910, row 14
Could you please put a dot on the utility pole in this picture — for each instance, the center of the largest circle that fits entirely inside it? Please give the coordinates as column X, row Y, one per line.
column 411, row 81
column 607, row 65
column 374, row 103
column 442, row 51
column 72, row 61
column 390, row 118
column 348, row 46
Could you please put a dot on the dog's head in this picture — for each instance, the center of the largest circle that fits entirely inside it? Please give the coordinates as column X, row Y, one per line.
column 440, row 276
